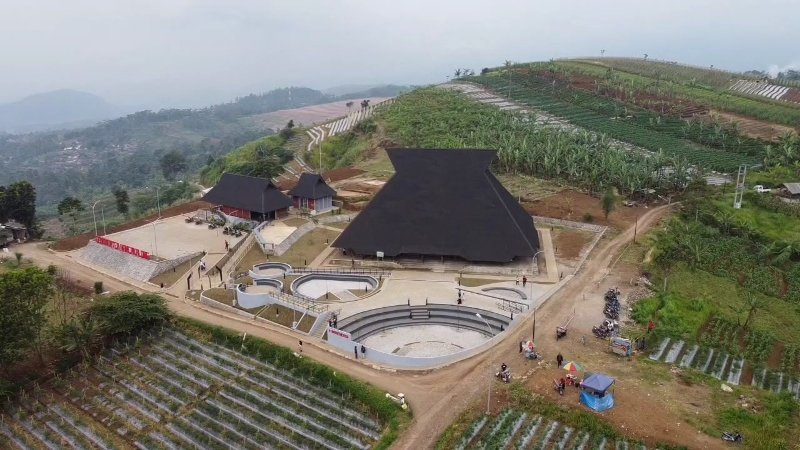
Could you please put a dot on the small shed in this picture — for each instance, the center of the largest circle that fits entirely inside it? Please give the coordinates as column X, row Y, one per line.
column 12, row 231
column 594, row 393
column 791, row 190
column 313, row 193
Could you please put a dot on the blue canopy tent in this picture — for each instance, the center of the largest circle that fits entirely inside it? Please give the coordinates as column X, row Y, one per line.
column 594, row 393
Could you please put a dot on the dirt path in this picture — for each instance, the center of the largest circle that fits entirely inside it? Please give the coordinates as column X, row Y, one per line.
column 438, row 397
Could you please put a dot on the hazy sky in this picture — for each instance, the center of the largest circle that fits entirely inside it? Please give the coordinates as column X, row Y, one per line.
column 194, row 52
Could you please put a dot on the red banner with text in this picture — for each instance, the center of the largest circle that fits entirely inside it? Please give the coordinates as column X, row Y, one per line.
column 122, row 247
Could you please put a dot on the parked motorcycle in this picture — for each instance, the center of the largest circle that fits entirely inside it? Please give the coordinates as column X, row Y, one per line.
column 732, row 437
column 601, row 332
column 558, row 387
column 504, row 376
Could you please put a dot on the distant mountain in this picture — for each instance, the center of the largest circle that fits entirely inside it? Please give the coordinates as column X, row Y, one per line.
column 52, row 110
column 348, row 89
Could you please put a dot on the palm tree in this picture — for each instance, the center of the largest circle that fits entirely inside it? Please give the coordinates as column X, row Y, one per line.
column 349, row 105
column 79, row 336
column 457, row 73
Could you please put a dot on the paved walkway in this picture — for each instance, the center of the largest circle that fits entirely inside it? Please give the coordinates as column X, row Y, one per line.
column 549, row 257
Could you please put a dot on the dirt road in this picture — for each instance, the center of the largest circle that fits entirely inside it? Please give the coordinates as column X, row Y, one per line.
column 438, row 397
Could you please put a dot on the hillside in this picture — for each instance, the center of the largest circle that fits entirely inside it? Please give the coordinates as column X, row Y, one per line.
column 126, row 151
column 54, row 109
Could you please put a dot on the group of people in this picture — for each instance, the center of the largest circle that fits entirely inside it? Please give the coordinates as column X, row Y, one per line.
column 524, row 281
column 333, row 321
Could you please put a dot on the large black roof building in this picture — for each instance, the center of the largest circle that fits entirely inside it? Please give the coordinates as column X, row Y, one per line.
column 442, row 203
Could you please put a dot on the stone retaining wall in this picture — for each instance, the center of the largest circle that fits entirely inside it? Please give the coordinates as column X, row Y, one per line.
column 227, row 308
column 164, row 266
column 301, row 231
column 291, row 239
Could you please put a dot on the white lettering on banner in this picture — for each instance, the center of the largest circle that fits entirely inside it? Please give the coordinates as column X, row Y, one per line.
column 341, row 334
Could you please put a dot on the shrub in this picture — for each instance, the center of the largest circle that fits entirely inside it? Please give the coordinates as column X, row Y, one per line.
column 128, row 312
column 98, row 287
column 588, row 218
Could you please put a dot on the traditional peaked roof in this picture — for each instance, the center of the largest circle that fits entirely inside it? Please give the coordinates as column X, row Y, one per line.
column 443, row 202
column 311, row 185
column 247, row 193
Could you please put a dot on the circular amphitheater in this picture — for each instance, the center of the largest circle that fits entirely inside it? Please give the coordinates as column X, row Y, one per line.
column 419, row 336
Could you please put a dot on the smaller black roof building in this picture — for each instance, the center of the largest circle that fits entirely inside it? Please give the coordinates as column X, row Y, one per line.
column 247, row 193
column 311, row 185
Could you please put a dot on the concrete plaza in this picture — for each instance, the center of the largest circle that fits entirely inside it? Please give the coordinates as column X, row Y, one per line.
column 172, row 238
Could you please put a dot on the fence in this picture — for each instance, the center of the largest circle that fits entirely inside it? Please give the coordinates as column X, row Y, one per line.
column 236, row 256
column 339, row 271
column 257, row 231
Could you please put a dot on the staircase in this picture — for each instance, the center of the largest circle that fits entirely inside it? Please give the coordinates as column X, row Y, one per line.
column 420, row 314
column 321, row 326
column 345, row 295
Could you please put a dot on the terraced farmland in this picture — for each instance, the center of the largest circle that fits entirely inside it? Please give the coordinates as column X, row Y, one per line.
column 726, row 366
column 166, row 390
column 518, row 430
column 538, row 94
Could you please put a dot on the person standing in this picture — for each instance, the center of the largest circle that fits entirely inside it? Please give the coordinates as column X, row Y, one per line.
column 559, row 359
column 524, row 281
column 301, row 346
column 226, row 245
column 516, row 281
column 650, row 327
column 355, row 351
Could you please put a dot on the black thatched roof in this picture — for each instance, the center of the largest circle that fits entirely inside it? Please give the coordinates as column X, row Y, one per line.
column 443, row 202
column 311, row 185
column 247, row 193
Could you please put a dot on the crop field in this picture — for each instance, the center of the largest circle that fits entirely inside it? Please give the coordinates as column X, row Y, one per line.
column 608, row 117
column 167, row 390
column 727, row 354
column 513, row 429
column 721, row 98
column 437, row 118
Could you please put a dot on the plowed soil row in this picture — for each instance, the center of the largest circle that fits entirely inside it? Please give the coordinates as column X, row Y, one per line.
column 82, row 240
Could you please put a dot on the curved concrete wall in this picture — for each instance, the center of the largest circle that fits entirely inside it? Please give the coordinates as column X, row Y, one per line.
column 285, row 268
column 277, row 284
column 248, row 301
column 367, row 323
column 518, row 292
column 334, row 277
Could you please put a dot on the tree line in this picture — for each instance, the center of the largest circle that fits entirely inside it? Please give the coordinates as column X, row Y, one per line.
column 43, row 319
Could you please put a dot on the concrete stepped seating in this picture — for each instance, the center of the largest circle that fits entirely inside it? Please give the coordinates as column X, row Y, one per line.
column 367, row 323
column 119, row 262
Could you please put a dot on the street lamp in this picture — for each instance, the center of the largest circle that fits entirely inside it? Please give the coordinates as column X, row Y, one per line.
column 103, row 216
column 94, row 218
column 491, row 359
column 158, row 200
column 155, row 239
